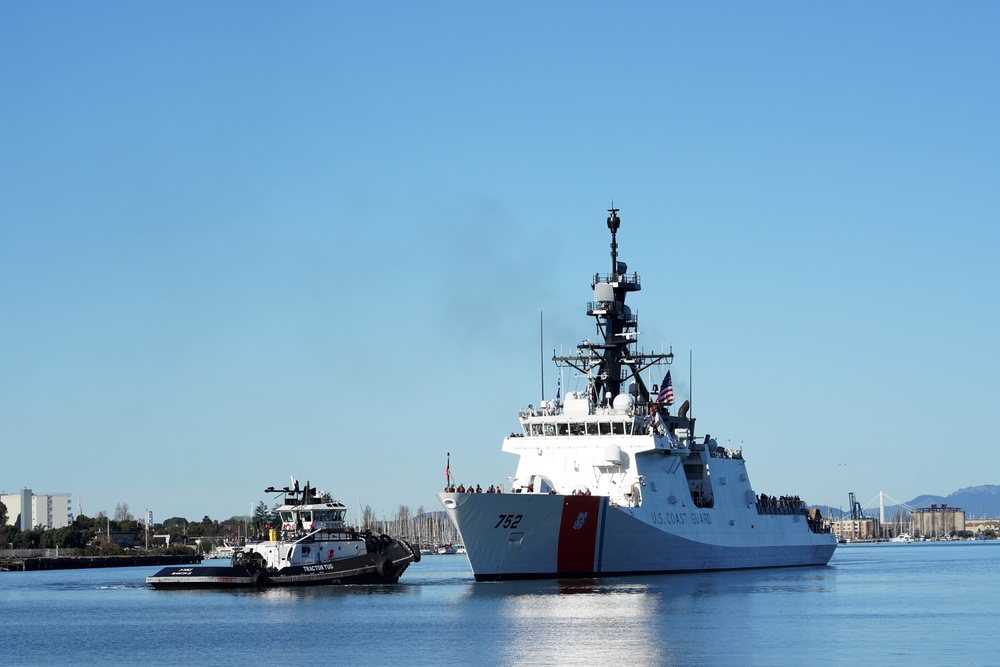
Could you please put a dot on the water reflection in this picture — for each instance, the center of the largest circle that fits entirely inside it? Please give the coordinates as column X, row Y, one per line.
column 669, row 619
column 581, row 621
column 437, row 613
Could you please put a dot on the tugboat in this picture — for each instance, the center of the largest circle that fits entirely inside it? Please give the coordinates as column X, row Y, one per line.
column 312, row 547
column 610, row 482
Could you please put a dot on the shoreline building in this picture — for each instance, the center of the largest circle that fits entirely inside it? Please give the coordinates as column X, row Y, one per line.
column 864, row 529
column 938, row 521
column 27, row 510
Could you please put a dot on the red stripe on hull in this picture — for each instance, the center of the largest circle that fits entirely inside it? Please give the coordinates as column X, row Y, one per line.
column 578, row 534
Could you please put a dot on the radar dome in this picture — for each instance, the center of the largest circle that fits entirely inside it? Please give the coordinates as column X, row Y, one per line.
column 622, row 403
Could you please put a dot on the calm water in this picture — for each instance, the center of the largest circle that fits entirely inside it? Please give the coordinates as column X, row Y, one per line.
column 906, row 604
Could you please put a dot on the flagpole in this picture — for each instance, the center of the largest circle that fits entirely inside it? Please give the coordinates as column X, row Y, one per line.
column 691, row 383
column 541, row 351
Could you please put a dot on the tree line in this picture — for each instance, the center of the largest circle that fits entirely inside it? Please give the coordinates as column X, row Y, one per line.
column 91, row 534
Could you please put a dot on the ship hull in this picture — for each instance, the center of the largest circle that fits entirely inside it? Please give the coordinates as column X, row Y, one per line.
column 523, row 536
column 362, row 569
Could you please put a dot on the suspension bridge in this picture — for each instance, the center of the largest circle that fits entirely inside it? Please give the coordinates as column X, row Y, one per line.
column 884, row 517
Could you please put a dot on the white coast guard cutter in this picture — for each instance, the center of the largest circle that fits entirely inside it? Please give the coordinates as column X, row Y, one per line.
column 610, row 483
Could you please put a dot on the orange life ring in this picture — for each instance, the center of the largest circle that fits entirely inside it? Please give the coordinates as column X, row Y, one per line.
column 287, row 526
column 329, row 554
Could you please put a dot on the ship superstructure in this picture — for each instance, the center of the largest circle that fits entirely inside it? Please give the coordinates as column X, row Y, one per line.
column 610, row 482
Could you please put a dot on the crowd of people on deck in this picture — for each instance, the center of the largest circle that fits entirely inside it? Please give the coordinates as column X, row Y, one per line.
column 461, row 488
column 779, row 504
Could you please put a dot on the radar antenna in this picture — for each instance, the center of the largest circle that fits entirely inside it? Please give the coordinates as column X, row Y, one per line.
column 605, row 362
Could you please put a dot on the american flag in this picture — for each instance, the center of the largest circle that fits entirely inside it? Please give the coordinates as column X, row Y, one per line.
column 666, row 394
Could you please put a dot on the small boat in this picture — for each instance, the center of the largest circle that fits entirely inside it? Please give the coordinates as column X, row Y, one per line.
column 312, row 547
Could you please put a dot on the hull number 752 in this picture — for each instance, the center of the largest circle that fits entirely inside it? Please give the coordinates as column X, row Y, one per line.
column 508, row 521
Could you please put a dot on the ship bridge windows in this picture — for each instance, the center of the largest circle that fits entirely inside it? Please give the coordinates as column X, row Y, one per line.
column 328, row 515
column 578, row 428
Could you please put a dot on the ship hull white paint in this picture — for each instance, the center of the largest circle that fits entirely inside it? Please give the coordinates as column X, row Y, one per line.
column 646, row 540
column 609, row 481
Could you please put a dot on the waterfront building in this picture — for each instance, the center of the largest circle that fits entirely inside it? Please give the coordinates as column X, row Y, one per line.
column 938, row 521
column 27, row 510
column 855, row 529
column 982, row 525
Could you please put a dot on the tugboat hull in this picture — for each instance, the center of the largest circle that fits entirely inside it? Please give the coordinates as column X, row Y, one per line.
column 310, row 546
column 364, row 569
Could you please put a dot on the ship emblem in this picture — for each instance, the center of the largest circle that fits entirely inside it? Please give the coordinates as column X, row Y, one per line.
column 580, row 521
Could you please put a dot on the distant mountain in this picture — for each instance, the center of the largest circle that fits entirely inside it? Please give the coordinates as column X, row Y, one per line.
column 977, row 501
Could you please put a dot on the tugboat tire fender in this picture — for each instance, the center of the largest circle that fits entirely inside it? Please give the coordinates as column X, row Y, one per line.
column 259, row 580
column 381, row 566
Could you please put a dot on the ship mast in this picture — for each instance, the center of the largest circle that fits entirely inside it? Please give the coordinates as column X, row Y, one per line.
column 603, row 363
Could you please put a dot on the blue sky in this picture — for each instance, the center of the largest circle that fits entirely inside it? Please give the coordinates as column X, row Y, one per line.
column 240, row 241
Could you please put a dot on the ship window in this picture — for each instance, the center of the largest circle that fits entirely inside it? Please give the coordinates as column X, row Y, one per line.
column 617, row 428
column 591, row 429
column 605, row 428
column 536, row 429
column 286, row 517
column 563, row 429
column 577, row 429
column 307, row 516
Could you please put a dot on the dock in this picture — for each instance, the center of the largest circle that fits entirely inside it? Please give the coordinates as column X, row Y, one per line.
column 30, row 564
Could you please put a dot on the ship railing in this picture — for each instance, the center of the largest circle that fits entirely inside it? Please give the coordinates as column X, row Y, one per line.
column 611, row 308
column 623, row 279
column 720, row 452
column 780, row 505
